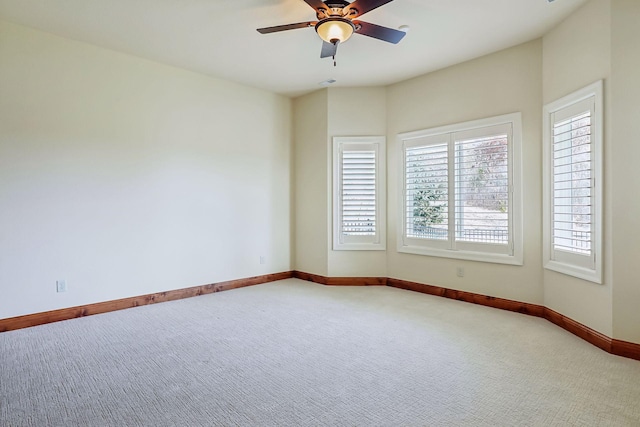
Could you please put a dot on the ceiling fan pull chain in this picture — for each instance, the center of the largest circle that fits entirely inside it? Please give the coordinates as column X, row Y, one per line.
column 334, row 60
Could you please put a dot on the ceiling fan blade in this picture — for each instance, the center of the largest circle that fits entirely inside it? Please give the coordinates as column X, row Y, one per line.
column 316, row 4
column 277, row 28
column 328, row 49
column 378, row 32
column 364, row 6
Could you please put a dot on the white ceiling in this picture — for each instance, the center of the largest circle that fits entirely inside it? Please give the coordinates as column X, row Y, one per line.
column 219, row 37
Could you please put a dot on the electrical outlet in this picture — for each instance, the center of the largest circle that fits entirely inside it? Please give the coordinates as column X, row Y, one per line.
column 460, row 271
column 61, row 286
column 263, row 259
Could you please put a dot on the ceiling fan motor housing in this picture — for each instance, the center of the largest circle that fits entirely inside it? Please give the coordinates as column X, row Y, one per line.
column 335, row 8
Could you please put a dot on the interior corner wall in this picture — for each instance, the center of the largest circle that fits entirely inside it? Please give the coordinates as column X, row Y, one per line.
column 625, row 173
column 124, row 177
column 354, row 112
column 504, row 82
column 310, row 123
column 576, row 53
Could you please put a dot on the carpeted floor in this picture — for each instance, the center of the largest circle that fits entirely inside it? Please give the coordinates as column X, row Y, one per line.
column 293, row 353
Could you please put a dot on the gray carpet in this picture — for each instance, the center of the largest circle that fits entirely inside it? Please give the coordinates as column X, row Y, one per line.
column 292, row 353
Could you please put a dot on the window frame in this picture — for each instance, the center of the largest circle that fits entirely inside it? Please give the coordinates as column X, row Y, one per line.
column 376, row 242
column 484, row 252
column 573, row 264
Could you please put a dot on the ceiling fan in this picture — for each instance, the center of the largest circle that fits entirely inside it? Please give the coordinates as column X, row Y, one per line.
column 338, row 20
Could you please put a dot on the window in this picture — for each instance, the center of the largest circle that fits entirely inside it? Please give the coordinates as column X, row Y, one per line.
column 359, row 193
column 460, row 191
column 573, row 182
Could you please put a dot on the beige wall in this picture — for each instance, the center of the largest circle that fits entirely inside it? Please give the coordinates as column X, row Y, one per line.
column 504, row 82
column 625, row 158
column 310, row 118
column 318, row 117
column 354, row 112
column 575, row 54
column 126, row 177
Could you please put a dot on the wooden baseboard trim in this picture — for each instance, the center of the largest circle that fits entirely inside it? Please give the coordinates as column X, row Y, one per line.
column 341, row 281
column 310, row 277
column 36, row 319
column 613, row 346
column 578, row 329
column 501, row 303
column 625, row 349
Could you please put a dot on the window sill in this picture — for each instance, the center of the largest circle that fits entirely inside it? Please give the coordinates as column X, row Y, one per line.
column 360, row 247
column 575, row 271
column 464, row 255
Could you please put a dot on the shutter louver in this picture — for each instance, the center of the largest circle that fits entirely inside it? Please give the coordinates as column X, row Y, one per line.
column 482, row 190
column 359, row 193
column 426, row 201
column 572, row 184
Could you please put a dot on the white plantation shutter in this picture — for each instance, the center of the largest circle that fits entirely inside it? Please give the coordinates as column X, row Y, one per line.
column 427, row 188
column 482, row 186
column 573, row 200
column 572, row 186
column 459, row 197
column 358, row 193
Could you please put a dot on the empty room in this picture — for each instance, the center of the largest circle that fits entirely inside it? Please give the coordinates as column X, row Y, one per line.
column 319, row 213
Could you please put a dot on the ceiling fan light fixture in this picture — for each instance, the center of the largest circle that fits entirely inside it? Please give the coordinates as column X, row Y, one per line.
column 334, row 30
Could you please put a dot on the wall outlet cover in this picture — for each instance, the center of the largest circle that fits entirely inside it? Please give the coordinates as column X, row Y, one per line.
column 61, row 286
